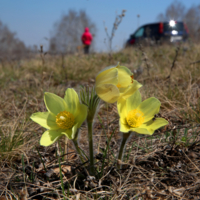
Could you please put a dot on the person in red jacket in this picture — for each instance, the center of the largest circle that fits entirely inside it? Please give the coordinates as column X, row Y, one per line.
column 86, row 40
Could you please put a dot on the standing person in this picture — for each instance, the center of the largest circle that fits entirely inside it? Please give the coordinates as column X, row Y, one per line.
column 86, row 40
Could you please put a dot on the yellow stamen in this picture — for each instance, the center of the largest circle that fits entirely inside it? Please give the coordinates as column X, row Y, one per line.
column 65, row 120
column 135, row 118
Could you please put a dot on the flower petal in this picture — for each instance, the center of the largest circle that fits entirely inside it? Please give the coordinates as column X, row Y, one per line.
column 108, row 92
column 106, row 69
column 133, row 101
column 74, row 131
column 108, row 75
column 130, row 90
column 141, row 131
column 45, row 119
column 124, row 76
column 149, row 107
column 49, row 137
column 67, row 133
column 122, row 109
column 80, row 114
column 72, row 100
column 124, row 128
column 54, row 103
column 154, row 125
column 124, row 70
column 71, row 133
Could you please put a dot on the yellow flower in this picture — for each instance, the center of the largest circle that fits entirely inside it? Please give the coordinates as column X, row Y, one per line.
column 64, row 116
column 138, row 116
column 114, row 83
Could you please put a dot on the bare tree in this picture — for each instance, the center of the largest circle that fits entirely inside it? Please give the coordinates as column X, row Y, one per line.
column 66, row 34
column 161, row 17
column 192, row 19
column 175, row 11
column 10, row 45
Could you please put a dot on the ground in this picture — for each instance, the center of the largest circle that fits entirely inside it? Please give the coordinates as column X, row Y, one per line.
column 162, row 166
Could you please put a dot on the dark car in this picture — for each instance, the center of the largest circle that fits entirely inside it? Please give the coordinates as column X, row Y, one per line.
column 156, row 33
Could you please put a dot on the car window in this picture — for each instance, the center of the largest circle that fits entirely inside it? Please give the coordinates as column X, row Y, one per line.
column 148, row 31
column 139, row 33
column 151, row 30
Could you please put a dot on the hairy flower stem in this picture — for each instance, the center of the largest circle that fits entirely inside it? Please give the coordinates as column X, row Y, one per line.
column 90, row 98
column 125, row 137
column 66, row 147
column 90, row 138
column 75, row 141
column 78, row 149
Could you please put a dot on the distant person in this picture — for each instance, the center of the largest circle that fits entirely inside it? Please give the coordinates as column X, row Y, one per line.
column 86, row 40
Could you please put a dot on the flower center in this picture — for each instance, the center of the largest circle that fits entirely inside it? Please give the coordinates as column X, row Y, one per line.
column 135, row 118
column 65, row 120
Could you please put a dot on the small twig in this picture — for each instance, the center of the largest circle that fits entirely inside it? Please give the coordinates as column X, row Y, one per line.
column 173, row 63
column 42, row 55
column 198, row 61
column 145, row 59
column 191, row 161
column 126, row 180
column 118, row 20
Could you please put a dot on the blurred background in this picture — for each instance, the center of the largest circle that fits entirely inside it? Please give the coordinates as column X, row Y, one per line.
column 58, row 25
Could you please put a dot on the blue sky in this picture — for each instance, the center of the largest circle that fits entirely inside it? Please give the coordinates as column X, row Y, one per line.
column 33, row 20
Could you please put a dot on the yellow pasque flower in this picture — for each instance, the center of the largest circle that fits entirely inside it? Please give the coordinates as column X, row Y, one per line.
column 114, row 83
column 138, row 116
column 64, row 116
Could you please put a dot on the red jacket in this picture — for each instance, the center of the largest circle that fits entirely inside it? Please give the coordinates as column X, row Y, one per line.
column 86, row 37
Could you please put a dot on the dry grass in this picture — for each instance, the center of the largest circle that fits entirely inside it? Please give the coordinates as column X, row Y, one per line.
column 163, row 166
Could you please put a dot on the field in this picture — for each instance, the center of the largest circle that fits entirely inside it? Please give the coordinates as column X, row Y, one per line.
column 165, row 165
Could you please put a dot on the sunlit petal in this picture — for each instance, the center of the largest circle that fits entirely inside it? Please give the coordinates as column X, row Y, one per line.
column 80, row 114
column 133, row 101
column 67, row 133
column 122, row 109
column 107, row 76
column 153, row 125
column 124, row 76
column 74, row 131
column 141, row 131
column 45, row 119
column 130, row 90
column 49, row 137
column 70, row 133
column 124, row 128
column 108, row 92
column 54, row 103
column 72, row 100
column 149, row 107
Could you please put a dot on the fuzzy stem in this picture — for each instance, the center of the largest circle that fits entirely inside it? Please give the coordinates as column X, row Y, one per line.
column 66, row 148
column 91, row 146
column 78, row 149
column 125, row 137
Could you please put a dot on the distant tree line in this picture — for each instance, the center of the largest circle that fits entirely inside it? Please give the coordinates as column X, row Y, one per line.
column 10, row 46
column 191, row 16
column 65, row 37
